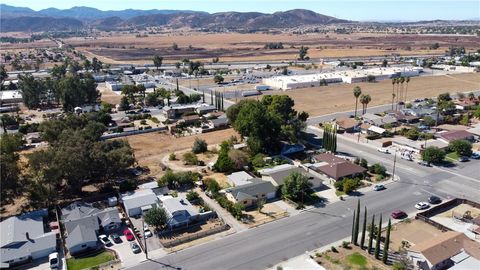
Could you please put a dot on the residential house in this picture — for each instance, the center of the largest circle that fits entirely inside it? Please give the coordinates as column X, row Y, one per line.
column 250, row 193
column 139, row 201
column 406, row 144
column 220, row 122
column 180, row 211
column 453, row 135
column 205, row 109
column 190, row 119
column 375, row 131
column 348, row 125
column 450, row 250
column 239, row 178
column 403, row 117
column 379, row 121
column 336, row 168
column 82, row 222
column 278, row 174
column 25, row 238
column 466, row 104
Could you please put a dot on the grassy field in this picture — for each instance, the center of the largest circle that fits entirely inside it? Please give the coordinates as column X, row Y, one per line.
column 82, row 263
column 339, row 97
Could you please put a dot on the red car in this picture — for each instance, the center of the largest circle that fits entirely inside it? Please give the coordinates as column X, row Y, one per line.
column 398, row 214
column 129, row 235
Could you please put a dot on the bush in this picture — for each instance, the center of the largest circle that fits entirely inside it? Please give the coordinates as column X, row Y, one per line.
column 338, row 185
column 143, row 122
column 192, row 196
column 190, row 158
column 172, row 157
column 258, row 161
column 345, row 244
column 334, row 249
column 364, row 163
column 199, row 146
column 350, row 185
column 128, row 185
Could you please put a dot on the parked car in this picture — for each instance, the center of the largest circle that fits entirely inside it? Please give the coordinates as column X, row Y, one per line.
column 129, row 235
column 424, row 163
column 379, row 187
column 115, row 238
column 104, row 239
column 145, row 226
column 422, row 205
column 53, row 260
column 463, row 159
column 383, row 150
column 407, row 157
column 398, row 214
column 434, row 200
column 475, row 155
column 147, row 233
column 135, row 248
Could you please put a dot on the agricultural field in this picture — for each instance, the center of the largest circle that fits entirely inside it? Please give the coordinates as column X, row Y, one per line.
column 117, row 48
column 339, row 97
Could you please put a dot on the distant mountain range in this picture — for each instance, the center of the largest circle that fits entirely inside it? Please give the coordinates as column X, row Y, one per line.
column 26, row 19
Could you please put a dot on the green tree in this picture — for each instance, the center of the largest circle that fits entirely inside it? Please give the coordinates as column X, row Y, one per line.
column 357, row 91
column 239, row 158
column 10, row 171
column 199, row 146
column 32, row 90
column 302, row 53
column 223, row 163
column 461, row 147
column 124, row 104
column 387, row 242
column 377, row 239
column 156, row 217
column 260, row 205
column 428, row 121
column 371, row 233
column 213, row 186
column 364, row 229
column 192, row 196
column 3, row 73
column 296, row 187
column 357, row 224
column 157, row 61
column 433, row 154
column 349, row 185
column 258, row 161
column 190, row 158
column 365, row 99
column 218, row 79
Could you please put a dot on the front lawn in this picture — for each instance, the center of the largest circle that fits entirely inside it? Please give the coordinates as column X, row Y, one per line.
column 452, row 156
column 357, row 259
column 87, row 262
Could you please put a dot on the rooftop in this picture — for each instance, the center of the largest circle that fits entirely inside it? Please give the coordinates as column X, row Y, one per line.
column 248, row 191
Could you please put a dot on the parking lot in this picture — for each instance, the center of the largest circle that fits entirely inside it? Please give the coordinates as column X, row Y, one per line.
column 124, row 250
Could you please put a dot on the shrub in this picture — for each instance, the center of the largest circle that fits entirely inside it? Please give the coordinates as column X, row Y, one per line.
column 143, row 122
column 127, row 185
column 350, row 185
column 199, row 146
column 333, row 249
column 172, row 157
column 192, row 196
column 345, row 244
column 190, row 158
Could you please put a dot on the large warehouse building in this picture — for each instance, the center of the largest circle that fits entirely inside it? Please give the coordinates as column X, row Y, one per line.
column 347, row 76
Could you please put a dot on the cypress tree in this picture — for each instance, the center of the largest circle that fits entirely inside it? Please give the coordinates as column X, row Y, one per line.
column 370, row 236
column 178, row 89
column 364, row 229
column 357, row 224
column 334, row 144
column 387, row 242
column 377, row 239
column 325, row 138
column 353, row 227
column 211, row 98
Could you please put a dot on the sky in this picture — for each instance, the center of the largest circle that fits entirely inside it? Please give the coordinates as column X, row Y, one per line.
column 361, row 10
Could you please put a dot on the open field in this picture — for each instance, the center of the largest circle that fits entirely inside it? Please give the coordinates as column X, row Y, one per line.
column 109, row 96
column 127, row 48
column 150, row 148
column 339, row 97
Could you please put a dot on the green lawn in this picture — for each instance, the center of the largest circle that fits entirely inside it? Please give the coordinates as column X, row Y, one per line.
column 357, row 259
column 452, row 156
column 82, row 263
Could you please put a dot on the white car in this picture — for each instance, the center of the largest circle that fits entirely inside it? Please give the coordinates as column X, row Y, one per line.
column 145, row 226
column 104, row 239
column 147, row 233
column 53, row 260
column 407, row 157
column 378, row 187
column 383, row 150
column 422, row 205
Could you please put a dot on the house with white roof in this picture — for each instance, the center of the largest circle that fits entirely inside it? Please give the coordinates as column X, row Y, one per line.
column 180, row 211
column 139, row 201
column 239, row 178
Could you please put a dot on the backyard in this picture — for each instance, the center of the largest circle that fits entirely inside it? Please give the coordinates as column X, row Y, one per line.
column 87, row 262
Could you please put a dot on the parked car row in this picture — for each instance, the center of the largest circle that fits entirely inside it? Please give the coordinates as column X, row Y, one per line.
column 399, row 214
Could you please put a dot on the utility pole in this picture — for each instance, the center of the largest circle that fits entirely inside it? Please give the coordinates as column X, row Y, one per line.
column 145, row 238
column 394, row 163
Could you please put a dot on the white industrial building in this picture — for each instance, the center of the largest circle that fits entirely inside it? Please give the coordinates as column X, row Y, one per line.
column 347, row 76
column 114, row 86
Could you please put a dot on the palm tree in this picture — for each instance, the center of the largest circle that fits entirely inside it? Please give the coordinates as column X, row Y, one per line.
column 402, row 80
column 393, row 100
column 365, row 99
column 407, row 80
column 398, row 88
column 394, row 81
column 357, row 91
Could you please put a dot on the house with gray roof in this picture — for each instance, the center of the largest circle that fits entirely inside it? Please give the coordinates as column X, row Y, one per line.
column 239, row 178
column 278, row 174
column 25, row 238
column 139, row 201
column 249, row 194
column 179, row 210
column 82, row 222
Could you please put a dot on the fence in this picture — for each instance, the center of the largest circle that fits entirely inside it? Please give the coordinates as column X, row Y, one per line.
column 129, row 133
column 195, row 236
column 270, row 218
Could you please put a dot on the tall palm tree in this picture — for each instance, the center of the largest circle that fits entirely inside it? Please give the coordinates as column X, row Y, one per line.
column 365, row 99
column 357, row 91
column 398, row 88
column 407, row 80
column 393, row 99
column 402, row 80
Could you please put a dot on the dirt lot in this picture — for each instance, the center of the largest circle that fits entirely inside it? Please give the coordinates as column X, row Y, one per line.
column 150, row 148
column 109, row 96
column 460, row 210
column 339, row 97
column 349, row 258
column 413, row 232
column 270, row 212
column 122, row 48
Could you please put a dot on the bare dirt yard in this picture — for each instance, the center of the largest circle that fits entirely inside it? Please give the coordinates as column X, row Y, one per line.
column 109, row 96
column 150, row 148
column 352, row 257
column 412, row 232
column 339, row 97
column 269, row 213
column 117, row 48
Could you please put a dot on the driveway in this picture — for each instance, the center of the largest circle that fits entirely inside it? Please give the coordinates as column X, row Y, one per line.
column 152, row 242
column 125, row 253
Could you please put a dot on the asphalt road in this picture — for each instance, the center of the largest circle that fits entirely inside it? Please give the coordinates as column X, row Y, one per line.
column 274, row 242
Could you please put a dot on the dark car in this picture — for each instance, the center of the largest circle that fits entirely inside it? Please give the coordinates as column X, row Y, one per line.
column 398, row 214
column 115, row 238
column 434, row 200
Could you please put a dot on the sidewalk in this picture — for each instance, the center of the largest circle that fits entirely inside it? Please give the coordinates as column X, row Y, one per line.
column 227, row 217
